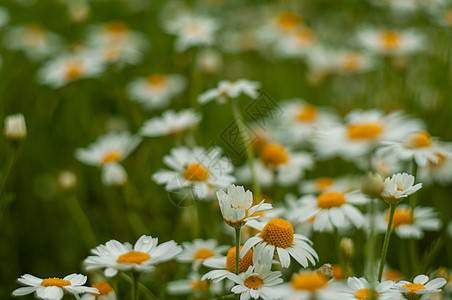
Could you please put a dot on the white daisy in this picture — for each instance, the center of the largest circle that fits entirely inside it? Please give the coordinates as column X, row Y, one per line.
column 278, row 235
column 328, row 184
column 229, row 90
column 407, row 224
column 53, row 288
column 196, row 168
column 156, row 91
column 171, row 122
column 351, row 62
column 305, row 285
column 439, row 171
column 333, row 206
column 108, row 148
column 421, row 285
column 193, row 285
column 278, row 27
column 199, row 250
column 115, row 256
column 257, row 282
column 398, row 42
column 106, row 292
column 297, row 43
column 399, row 186
column 359, row 289
column 362, row 132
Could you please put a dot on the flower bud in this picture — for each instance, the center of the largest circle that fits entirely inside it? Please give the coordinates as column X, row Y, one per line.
column 372, row 185
column 326, row 270
column 67, row 180
column 347, row 247
column 15, row 128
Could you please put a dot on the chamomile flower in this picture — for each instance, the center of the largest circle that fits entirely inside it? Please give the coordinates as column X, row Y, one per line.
column 352, row 62
column 66, row 68
column 106, row 292
column 171, row 123
column 108, row 148
column 391, row 42
column 34, row 40
column 237, row 206
column 193, row 285
column 421, row 286
column 439, row 171
column 142, row 257
column 418, row 146
column 297, row 43
column 53, row 288
column 407, row 224
column 326, row 184
column 362, row 132
column 305, row 285
column 332, row 206
column 279, row 26
column 257, row 282
column 199, row 250
column 156, row 91
column 360, row 289
column 399, row 186
column 277, row 235
column 197, row 168
column 229, row 90
column 191, row 30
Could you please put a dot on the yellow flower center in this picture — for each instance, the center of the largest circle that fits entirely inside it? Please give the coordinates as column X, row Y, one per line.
column 413, row 287
column 393, row 275
column 337, row 272
column 350, row 62
column 309, row 281
column 307, row 113
column 194, row 29
column 364, row 131
column 103, row 288
column 441, row 160
column 329, row 200
column 305, row 37
column 34, row 35
column 196, row 172
column 244, row 263
column 111, row 53
column 117, row 30
column 199, row 286
column 273, row 155
column 418, row 140
column 203, row 253
column 133, row 257
column 112, row 156
column 390, row 40
column 402, row 216
column 157, row 80
column 365, row 294
column 288, row 20
column 279, row 233
column 253, row 282
column 324, row 183
column 55, row 282
column 74, row 70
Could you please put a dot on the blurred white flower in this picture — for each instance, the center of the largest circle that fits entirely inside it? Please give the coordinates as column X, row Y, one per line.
column 439, row 171
column 198, row 251
column 391, row 42
column 360, row 288
column 305, row 285
column 230, row 90
column 171, row 123
column 193, row 285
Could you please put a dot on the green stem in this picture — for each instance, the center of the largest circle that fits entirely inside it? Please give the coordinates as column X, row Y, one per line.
column 142, row 287
column 371, row 242
column 384, row 251
column 413, row 197
column 248, row 148
column 6, row 173
column 135, row 282
column 339, row 253
column 82, row 220
column 237, row 249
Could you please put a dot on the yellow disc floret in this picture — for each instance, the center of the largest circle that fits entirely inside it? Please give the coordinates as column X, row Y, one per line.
column 273, row 155
column 418, row 140
column 244, row 263
column 55, row 282
column 103, row 288
column 253, row 282
column 364, row 131
column 279, row 233
column 157, row 80
column 199, row 286
column 307, row 113
column 324, row 183
column 390, row 39
column 133, row 257
column 308, row 281
column 402, row 216
column 196, row 172
column 365, row 294
column 288, row 20
column 203, row 253
column 413, row 287
column 111, row 156
column 330, row 200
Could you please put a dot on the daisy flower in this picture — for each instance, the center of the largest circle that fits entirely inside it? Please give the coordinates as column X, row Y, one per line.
column 229, row 90
column 257, row 282
column 115, row 256
column 196, row 168
column 407, row 224
column 66, row 68
column 332, row 207
column 359, row 289
column 171, row 123
column 305, row 285
column 193, row 285
column 278, row 235
column 391, row 42
column 200, row 250
column 362, row 132
column 279, row 26
column 399, row 186
column 106, row 292
column 439, row 171
column 352, row 62
column 328, row 184
column 237, row 206
column 156, row 91
column 418, row 146
column 108, row 148
column 191, row 30
column 53, row 288
column 420, row 286
column 297, row 43
column 34, row 40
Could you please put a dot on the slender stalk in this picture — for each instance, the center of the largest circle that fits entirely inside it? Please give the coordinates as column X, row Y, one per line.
column 371, row 247
column 135, row 283
column 384, row 251
column 339, row 253
column 82, row 220
column 413, row 197
column 6, row 173
column 248, row 148
column 149, row 294
column 237, row 249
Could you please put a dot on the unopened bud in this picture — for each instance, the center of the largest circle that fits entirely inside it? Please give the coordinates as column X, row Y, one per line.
column 441, row 273
column 326, row 270
column 347, row 247
column 372, row 185
column 15, row 128
column 67, row 180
